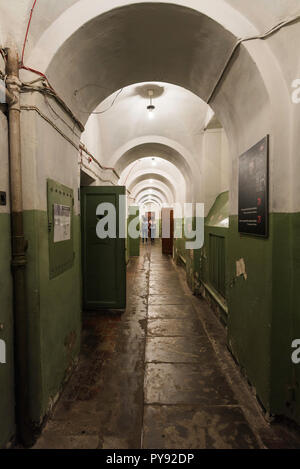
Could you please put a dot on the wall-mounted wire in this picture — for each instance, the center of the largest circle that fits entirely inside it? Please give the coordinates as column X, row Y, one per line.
column 3, row 53
column 45, row 89
column 262, row 36
column 22, row 66
column 105, row 110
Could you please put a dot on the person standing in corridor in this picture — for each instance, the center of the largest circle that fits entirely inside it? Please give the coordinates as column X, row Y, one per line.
column 144, row 229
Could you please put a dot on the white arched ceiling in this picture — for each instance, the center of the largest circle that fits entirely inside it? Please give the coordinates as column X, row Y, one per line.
column 156, row 177
column 152, row 190
column 151, row 206
column 242, row 18
column 148, row 164
column 179, row 189
column 158, row 166
column 92, row 19
column 157, row 150
column 16, row 13
column 111, row 45
column 179, row 117
column 148, row 198
column 154, row 184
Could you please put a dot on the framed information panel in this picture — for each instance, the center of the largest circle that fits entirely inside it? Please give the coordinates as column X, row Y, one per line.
column 254, row 190
column 60, row 227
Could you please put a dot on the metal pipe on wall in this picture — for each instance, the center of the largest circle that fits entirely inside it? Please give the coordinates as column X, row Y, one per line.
column 18, row 250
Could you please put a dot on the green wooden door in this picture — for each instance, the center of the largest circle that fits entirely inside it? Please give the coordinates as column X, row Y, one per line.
column 104, row 265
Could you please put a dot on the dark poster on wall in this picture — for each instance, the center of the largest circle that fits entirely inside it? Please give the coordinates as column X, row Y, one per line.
column 253, row 190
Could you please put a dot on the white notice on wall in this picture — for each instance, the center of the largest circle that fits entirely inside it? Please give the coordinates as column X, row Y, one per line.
column 62, row 223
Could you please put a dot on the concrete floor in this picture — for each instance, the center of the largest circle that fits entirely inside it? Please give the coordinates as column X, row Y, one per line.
column 159, row 376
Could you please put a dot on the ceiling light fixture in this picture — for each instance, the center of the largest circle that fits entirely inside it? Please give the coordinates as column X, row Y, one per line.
column 151, row 107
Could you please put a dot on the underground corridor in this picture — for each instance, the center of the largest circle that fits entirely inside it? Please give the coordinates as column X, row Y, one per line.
column 149, row 224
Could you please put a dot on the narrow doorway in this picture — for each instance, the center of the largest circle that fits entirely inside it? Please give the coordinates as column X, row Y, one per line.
column 167, row 220
column 103, row 259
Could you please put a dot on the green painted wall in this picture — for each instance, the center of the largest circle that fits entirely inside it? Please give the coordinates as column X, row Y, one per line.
column 190, row 257
column 179, row 242
column 127, row 254
column 7, row 418
column 133, row 245
column 213, row 226
column 54, row 308
column 250, row 307
column 285, row 376
column 263, row 309
column 202, row 267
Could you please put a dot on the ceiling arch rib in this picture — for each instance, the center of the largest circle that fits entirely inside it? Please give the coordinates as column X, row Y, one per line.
column 150, row 190
column 157, row 150
column 155, row 176
column 152, row 197
column 158, row 197
column 155, row 184
column 148, row 205
column 178, row 26
column 69, row 16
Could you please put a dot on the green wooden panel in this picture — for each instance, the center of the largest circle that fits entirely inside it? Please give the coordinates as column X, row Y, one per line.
column 104, row 264
column 61, row 253
column 133, row 243
column 217, row 263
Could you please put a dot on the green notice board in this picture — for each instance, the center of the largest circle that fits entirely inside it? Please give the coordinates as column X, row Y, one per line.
column 60, row 227
column 133, row 243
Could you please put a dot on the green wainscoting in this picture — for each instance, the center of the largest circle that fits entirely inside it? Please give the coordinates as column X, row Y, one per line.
column 54, row 316
column 7, row 395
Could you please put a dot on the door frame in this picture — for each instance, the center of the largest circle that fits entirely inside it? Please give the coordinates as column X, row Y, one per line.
column 120, row 302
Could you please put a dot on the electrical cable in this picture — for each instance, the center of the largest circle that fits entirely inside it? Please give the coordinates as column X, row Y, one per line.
column 106, row 168
column 97, row 175
column 57, row 116
column 27, row 87
column 137, row 162
column 103, row 112
column 79, row 147
column 22, row 66
column 27, row 31
column 2, row 52
column 265, row 35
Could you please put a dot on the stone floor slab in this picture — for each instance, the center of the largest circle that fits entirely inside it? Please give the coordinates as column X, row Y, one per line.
column 175, row 327
column 168, row 300
column 185, row 427
column 171, row 311
column 187, row 384
column 179, row 350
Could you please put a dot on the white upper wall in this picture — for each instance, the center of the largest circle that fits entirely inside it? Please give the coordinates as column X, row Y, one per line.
column 99, row 48
column 215, row 165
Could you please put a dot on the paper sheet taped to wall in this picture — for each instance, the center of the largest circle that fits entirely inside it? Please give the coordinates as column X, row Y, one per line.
column 62, row 223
